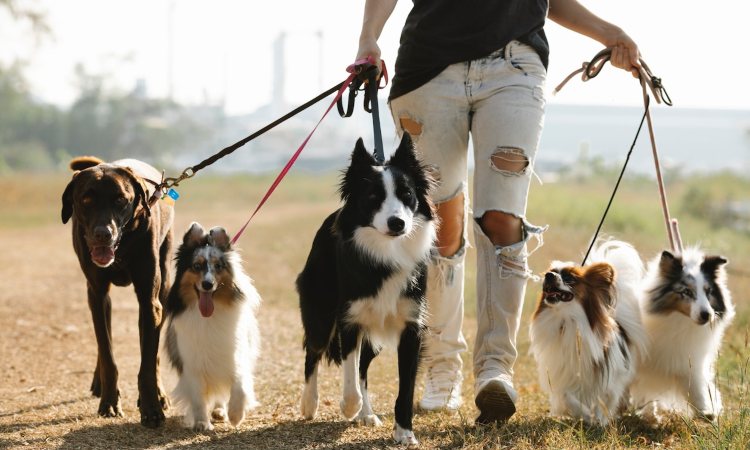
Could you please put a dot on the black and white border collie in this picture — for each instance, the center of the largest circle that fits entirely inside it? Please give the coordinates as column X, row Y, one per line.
column 686, row 308
column 363, row 286
column 212, row 333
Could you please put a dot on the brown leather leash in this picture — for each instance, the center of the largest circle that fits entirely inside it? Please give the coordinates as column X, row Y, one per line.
column 648, row 82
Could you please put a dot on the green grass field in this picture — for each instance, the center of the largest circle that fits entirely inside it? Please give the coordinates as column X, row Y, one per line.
column 49, row 351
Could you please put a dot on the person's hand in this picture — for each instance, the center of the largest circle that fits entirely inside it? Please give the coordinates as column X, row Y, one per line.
column 369, row 47
column 625, row 54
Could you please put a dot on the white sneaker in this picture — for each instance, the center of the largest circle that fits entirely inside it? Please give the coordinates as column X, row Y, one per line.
column 442, row 388
column 495, row 400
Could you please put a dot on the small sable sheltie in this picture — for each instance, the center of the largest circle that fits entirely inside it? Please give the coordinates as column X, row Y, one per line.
column 586, row 333
column 212, row 335
column 364, row 282
column 685, row 309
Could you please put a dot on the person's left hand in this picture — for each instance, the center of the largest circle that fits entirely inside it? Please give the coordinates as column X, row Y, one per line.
column 625, row 54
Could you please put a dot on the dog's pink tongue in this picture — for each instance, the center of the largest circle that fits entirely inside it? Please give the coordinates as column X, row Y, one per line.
column 206, row 303
column 102, row 254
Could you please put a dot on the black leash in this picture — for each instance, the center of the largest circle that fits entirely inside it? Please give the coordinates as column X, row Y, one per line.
column 617, row 185
column 191, row 171
column 370, row 105
column 590, row 70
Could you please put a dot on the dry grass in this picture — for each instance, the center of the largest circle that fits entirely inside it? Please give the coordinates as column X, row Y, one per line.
column 48, row 349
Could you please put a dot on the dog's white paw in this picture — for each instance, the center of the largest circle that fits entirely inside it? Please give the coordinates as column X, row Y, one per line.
column 219, row 414
column 351, row 405
column 203, row 425
column 236, row 415
column 309, row 405
column 405, row 437
column 369, row 420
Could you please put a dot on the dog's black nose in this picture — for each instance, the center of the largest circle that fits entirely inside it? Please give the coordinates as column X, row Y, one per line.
column 395, row 224
column 102, row 233
column 704, row 316
column 207, row 285
column 549, row 277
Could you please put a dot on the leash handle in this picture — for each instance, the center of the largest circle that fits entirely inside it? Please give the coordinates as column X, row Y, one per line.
column 590, row 70
column 368, row 73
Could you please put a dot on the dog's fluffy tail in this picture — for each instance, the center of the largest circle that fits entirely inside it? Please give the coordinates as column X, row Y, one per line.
column 630, row 273
column 84, row 162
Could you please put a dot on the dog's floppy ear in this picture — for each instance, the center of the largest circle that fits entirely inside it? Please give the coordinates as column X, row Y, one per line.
column 139, row 187
column 67, row 200
column 219, row 238
column 711, row 264
column 195, row 235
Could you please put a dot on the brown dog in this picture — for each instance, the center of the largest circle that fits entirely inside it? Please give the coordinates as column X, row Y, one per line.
column 120, row 240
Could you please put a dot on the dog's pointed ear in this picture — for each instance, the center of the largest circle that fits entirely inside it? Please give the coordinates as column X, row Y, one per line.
column 360, row 155
column 405, row 156
column 601, row 278
column 195, row 235
column 67, row 199
column 219, row 238
column 600, row 275
column 670, row 265
column 711, row 264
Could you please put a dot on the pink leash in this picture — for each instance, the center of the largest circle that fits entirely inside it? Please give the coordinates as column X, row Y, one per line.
column 354, row 70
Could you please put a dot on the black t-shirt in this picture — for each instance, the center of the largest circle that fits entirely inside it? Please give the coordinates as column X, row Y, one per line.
column 438, row 33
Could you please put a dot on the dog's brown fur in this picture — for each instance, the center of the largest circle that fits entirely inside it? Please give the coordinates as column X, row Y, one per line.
column 109, row 204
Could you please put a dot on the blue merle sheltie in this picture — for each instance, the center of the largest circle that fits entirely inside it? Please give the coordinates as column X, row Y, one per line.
column 363, row 286
column 212, row 333
column 686, row 308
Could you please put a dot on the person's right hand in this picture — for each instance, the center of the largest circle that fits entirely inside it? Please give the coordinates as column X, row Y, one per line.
column 369, row 47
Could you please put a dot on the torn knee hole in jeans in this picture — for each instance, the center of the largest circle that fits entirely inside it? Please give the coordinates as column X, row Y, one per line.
column 509, row 161
column 411, row 126
column 512, row 259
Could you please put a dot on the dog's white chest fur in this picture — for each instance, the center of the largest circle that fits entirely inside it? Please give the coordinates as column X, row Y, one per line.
column 214, row 349
column 384, row 316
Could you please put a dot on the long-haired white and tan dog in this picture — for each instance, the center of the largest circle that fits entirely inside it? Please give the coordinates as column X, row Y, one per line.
column 586, row 333
column 686, row 309
column 212, row 335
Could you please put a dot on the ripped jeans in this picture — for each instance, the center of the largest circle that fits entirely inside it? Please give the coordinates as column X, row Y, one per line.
column 499, row 101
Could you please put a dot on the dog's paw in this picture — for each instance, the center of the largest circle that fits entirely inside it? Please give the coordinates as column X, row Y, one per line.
column 202, row 425
column 708, row 416
column 163, row 400
column 309, row 405
column 236, row 415
column 369, row 420
column 109, row 405
column 219, row 414
column 350, row 406
column 405, row 437
column 107, row 409
column 151, row 417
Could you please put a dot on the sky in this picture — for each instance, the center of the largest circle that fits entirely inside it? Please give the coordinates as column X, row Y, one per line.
column 222, row 49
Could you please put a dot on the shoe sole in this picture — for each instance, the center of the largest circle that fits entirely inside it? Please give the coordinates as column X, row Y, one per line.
column 494, row 403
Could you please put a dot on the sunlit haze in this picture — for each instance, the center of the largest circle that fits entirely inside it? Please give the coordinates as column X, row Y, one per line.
column 222, row 50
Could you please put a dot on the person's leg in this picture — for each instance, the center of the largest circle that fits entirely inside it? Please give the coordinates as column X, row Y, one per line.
column 437, row 117
column 508, row 103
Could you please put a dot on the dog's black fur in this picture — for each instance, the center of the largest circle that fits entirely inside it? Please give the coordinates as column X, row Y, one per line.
column 112, row 222
column 339, row 272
